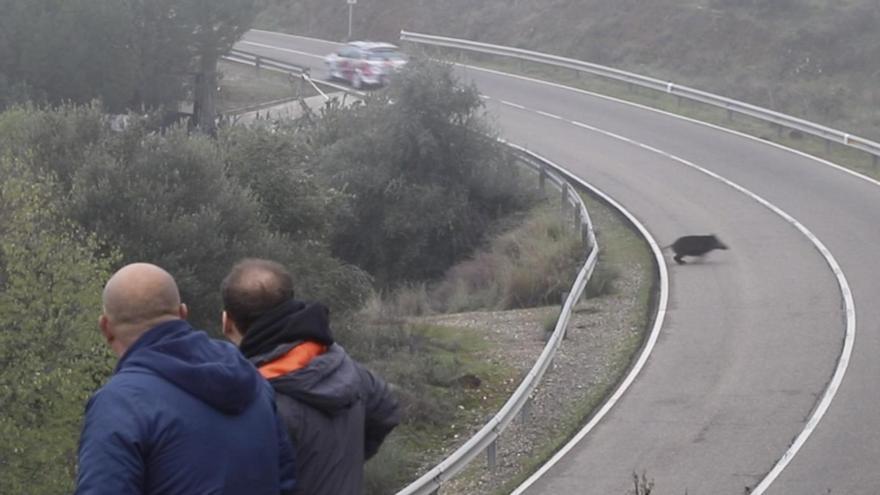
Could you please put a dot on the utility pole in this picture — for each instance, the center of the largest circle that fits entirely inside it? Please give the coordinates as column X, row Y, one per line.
column 351, row 4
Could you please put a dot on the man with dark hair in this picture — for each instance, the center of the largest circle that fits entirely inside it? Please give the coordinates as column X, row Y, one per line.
column 183, row 413
column 336, row 411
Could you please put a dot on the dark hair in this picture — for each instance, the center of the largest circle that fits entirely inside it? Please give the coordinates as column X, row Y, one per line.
column 253, row 287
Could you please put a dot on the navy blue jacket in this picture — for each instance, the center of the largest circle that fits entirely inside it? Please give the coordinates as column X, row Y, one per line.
column 183, row 414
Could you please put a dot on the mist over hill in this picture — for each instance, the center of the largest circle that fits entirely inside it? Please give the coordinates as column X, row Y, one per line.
column 816, row 59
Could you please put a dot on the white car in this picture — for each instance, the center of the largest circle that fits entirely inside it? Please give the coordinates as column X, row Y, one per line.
column 365, row 63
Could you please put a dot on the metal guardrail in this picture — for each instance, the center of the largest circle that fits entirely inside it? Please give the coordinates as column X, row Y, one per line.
column 484, row 439
column 293, row 71
column 260, row 61
column 732, row 106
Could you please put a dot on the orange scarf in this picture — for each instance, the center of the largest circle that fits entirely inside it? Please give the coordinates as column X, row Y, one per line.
column 297, row 358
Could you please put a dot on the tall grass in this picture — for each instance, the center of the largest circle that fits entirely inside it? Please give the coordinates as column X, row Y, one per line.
column 438, row 372
column 431, row 370
column 530, row 265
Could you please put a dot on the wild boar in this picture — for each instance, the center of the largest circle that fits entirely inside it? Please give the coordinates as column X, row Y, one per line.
column 695, row 245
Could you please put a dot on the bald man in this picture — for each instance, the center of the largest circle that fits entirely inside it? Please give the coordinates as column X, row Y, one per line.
column 182, row 413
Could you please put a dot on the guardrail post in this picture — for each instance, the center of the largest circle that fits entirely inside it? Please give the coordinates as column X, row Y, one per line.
column 526, row 411
column 542, row 178
column 875, row 160
column 299, row 84
column 562, row 305
column 257, row 62
column 828, row 144
column 729, row 114
column 492, row 454
column 578, row 224
column 564, row 196
column 779, row 130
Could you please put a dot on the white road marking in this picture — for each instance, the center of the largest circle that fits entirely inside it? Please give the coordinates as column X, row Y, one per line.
column 511, row 104
column 660, row 317
column 680, row 117
column 294, row 36
column 549, row 115
column 280, row 49
column 842, row 362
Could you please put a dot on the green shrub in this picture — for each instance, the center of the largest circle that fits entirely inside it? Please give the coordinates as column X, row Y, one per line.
column 393, row 467
column 273, row 164
column 168, row 199
column 51, row 354
column 425, row 182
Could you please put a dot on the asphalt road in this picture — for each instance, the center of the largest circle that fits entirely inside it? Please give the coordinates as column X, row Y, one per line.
column 753, row 335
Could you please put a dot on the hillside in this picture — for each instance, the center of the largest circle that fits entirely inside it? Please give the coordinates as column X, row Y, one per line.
column 816, row 59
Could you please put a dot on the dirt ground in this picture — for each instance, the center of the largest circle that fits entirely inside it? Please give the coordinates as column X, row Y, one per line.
column 601, row 339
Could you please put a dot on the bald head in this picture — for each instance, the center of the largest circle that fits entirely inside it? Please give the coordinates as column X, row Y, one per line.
column 138, row 297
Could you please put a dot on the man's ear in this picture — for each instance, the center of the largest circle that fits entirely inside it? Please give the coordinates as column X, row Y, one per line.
column 230, row 330
column 183, row 311
column 109, row 334
column 106, row 330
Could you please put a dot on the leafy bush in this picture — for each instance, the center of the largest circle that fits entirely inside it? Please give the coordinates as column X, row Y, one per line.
column 403, row 186
column 274, row 165
column 53, row 141
column 51, row 353
column 425, row 182
column 167, row 199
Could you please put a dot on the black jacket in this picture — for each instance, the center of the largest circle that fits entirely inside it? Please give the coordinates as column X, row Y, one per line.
column 336, row 411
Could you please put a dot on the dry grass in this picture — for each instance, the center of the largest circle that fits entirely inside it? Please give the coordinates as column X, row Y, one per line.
column 530, row 265
column 243, row 87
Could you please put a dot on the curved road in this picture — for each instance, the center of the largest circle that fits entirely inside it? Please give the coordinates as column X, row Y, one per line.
column 753, row 335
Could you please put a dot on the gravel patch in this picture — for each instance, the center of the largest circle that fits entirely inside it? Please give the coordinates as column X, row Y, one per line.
column 603, row 334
